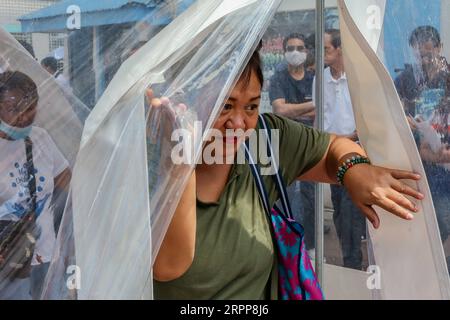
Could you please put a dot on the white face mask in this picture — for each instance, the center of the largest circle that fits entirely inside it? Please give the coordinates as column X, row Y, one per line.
column 295, row 58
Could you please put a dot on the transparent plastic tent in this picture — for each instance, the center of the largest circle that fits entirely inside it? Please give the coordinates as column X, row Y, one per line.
column 124, row 188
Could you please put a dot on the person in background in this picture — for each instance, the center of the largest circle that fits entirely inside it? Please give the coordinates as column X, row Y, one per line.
column 27, row 46
column 219, row 243
column 290, row 94
column 424, row 88
column 339, row 119
column 291, row 86
column 310, row 63
column 28, row 153
column 421, row 85
column 51, row 65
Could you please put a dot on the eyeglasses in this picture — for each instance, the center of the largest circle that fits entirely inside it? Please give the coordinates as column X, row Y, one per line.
column 298, row 48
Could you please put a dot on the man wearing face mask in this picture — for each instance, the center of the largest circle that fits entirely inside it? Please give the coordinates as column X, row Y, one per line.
column 291, row 87
column 339, row 119
column 291, row 96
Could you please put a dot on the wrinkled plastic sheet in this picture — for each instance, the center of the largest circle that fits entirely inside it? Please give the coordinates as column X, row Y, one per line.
column 57, row 129
column 409, row 255
column 125, row 187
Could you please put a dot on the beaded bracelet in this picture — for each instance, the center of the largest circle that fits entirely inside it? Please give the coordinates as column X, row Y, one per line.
column 349, row 163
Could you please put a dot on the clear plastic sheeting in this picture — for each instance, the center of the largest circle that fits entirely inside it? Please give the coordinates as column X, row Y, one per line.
column 103, row 172
column 125, row 186
column 408, row 255
column 41, row 128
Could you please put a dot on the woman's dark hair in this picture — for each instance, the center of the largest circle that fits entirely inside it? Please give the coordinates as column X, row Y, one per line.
column 11, row 80
column 254, row 65
column 293, row 36
column 424, row 34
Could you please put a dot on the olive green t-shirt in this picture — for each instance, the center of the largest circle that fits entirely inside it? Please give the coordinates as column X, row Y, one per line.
column 234, row 254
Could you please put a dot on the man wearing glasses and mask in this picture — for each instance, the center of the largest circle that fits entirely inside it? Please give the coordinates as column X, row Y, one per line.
column 291, row 86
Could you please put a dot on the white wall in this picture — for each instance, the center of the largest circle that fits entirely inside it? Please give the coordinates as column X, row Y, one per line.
column 40, row 45
column 10, row 10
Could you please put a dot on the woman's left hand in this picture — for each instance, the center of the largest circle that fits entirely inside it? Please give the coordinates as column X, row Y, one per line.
column 370, row 185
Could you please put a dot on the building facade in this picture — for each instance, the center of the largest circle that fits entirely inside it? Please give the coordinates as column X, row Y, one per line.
column 11, row 10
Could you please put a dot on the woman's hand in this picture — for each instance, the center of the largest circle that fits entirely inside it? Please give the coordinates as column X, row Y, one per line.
column 370, row 185
column 162, row 117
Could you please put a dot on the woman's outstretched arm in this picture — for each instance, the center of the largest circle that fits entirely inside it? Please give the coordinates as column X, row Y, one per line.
column 367, row 185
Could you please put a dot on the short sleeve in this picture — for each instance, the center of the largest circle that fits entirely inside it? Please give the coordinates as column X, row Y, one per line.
column 60, row 163
column 300, row 147
column 310, row 79
column 276, row 90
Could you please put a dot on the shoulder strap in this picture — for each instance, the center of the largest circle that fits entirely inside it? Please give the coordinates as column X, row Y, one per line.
column 31, row 174
column 258, row 179
column 278, row 179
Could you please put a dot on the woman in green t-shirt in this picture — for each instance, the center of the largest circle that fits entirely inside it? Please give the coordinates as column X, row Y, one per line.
column 219, row 245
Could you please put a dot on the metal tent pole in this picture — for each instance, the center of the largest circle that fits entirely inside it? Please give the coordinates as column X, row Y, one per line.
column 319, row 98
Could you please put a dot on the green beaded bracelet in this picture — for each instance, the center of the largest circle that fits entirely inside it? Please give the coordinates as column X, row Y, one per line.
column 349, row 163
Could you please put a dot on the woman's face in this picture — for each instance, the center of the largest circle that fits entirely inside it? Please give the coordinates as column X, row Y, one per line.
column 17, row 109
column 240, row 114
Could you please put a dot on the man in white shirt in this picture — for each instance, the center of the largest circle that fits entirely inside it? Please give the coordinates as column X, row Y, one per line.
column 338, row 110
column 339, row 119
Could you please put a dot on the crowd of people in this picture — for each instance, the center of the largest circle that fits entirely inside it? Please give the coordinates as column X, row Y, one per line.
column 291, row 94
column 424, row 88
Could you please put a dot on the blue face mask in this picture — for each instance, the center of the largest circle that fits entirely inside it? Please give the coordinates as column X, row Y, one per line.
column 13, row 132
